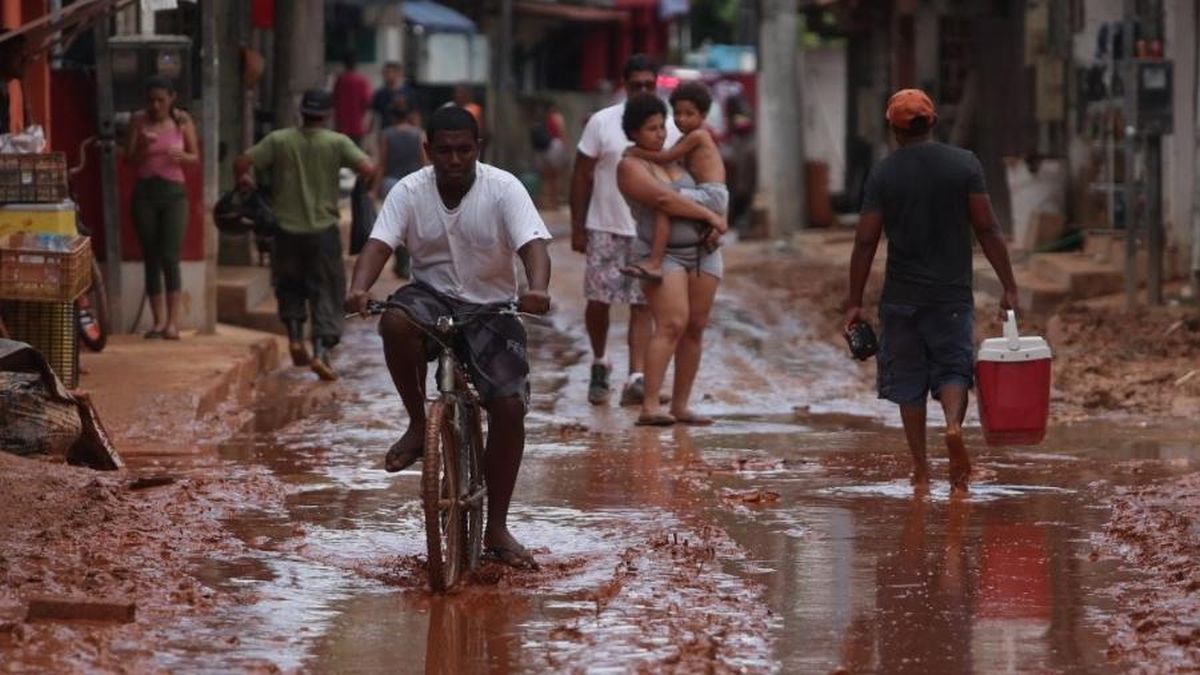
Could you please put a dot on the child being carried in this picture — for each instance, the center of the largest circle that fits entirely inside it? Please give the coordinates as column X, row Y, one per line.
column 690, row 103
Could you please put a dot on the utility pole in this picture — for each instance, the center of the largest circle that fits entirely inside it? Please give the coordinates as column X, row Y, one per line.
column 210, row 109
column 781, row 131
column 299, row 54
column 1129, row 73
column 500, row 125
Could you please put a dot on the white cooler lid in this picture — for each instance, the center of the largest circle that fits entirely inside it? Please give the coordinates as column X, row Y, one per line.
column 1014, row 347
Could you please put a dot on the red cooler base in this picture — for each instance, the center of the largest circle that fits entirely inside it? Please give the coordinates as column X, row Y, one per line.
column 1014, row 401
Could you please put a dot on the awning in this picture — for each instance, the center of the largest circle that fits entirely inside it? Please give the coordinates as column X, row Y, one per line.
column 435, row 17
column 569, row 12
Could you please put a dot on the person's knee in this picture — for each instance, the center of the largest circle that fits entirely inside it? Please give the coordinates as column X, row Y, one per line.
column 671, row 327
column 695, row 327
column 510, row 409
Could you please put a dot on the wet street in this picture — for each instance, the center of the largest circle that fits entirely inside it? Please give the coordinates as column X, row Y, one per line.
column 785, row 538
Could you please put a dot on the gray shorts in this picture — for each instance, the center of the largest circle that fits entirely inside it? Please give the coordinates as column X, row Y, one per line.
column 715, row 198
column 712, row 196
column 923, row 348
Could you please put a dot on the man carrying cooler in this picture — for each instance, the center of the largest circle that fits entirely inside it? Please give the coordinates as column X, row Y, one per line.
column 928, row 197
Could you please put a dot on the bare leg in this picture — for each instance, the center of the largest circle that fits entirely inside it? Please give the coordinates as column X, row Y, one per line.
column 404, row 352
column 702, row 290
column 954, row 403
column 913, row 417
column 501, row 464
column 158, row 312
column 641, row 325
column 171, row 329
column 595, row 318
column 669, row 305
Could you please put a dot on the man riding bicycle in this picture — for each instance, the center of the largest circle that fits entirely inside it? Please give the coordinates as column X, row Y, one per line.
column 461, row 222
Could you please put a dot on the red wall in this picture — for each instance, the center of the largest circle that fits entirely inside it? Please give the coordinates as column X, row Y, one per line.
column 73, row 112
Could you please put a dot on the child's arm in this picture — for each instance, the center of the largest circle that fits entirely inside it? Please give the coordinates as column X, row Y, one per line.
column 677, row 152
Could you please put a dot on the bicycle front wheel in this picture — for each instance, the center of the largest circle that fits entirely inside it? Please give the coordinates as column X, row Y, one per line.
column 442, row 489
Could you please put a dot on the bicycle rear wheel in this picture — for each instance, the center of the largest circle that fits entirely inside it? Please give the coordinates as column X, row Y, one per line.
column 92, row 318
column 442, row 487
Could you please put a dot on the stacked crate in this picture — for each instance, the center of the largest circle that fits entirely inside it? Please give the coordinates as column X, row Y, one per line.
column 43, row 268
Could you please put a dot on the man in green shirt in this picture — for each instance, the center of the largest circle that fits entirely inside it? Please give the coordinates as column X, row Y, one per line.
column 306, row 263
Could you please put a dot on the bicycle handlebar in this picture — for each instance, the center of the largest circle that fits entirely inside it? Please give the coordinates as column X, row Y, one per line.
column 377, row 307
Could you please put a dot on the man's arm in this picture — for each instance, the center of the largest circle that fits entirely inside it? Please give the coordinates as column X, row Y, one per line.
column 365, row 169
column 367, row 267
column 675, row 153
column 987, row 230
column 536, row 258
column 581, row 195
column 241, row 171
column 638, row 184
column 866, row 242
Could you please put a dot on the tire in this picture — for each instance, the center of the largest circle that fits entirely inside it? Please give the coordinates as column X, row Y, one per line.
column 97, row 305
column 471, row 430
column 445, row 528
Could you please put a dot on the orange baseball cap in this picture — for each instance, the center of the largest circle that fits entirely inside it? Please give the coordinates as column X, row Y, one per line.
column 907, row 105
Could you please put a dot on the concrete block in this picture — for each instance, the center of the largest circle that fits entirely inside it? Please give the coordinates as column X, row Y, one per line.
column 53, row 608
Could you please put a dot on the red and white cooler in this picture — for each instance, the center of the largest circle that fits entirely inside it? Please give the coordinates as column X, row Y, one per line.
column 1012, row 376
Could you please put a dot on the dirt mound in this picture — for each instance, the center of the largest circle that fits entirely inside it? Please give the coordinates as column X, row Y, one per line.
column 1143, row 363
column 1154, row 529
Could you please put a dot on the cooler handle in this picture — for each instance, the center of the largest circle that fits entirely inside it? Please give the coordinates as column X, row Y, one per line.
column 1011, row 334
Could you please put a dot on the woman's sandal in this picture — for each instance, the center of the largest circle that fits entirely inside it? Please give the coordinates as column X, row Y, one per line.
column 657, row 420
column 638, row 272
column 694, row 420
column 153, row 334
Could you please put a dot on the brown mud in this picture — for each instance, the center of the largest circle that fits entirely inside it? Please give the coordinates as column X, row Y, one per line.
column 784, row 538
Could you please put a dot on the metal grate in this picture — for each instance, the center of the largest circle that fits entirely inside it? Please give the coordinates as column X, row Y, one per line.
column 48, row 327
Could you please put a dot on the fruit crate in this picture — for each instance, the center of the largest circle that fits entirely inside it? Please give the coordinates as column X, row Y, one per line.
column 45, row 268
column 33, row 179
column 48, row 327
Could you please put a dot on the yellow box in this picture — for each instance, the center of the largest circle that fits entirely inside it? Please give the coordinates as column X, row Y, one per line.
column 48, row 218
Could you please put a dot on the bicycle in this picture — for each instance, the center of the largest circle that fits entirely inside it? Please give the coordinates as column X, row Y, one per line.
column 452, row 481
column 91, row 308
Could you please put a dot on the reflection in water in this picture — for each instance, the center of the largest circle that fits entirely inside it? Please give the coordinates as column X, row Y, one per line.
column 473, row 634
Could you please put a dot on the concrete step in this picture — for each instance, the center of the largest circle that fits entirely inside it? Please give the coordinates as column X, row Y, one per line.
column 1083, row 276
column 264, row 317
column 1035, row 294
column 240, row 289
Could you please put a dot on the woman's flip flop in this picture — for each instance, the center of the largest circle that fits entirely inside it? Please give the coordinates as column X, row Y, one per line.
column 659, row 420
column 694, row 420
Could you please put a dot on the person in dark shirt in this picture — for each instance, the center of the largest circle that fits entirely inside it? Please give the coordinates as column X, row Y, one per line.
column 928, row 197
column 394, row 88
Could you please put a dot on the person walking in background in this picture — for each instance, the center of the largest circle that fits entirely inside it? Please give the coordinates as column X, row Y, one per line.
column 162, row 139
column 401, row 152
column 603, row 229
column 401, row 148
column 465, row 99
column 306, row 264
column 351, row 101
column 385, row 97
column 928, row 197
column 550, row 154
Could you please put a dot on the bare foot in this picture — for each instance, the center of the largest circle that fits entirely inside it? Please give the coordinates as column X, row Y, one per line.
column 960, row 461
column 406, row 451
column 506, row 549
column 920, row 481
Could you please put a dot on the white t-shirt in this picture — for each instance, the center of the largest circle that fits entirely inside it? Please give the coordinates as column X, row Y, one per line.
column 605, row 141
column 467, row 253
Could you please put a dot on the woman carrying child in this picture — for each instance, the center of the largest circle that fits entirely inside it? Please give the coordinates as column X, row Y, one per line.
column 681, row 296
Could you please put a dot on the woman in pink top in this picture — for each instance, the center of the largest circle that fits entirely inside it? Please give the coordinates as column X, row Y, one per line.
column 161, row 140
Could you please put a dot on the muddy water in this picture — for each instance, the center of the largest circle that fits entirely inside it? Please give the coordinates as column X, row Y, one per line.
column 774, row 541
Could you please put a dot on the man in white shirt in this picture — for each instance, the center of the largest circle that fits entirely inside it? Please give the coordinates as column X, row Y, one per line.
column 602, row 228
column 462, row 222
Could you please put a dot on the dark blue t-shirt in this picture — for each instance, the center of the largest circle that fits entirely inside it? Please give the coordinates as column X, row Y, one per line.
column 923, row 191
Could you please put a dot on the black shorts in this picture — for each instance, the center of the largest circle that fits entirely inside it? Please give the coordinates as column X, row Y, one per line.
column 491, row 346
column 923, row 348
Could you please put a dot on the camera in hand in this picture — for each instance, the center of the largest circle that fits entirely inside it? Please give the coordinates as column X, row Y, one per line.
column 861, row 339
